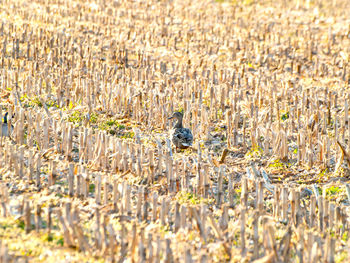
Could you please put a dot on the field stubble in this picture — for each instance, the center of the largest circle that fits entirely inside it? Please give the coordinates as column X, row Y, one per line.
column 89, row 173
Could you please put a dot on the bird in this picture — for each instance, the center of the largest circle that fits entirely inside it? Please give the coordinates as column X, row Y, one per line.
column 182, row 137
column 5, row 126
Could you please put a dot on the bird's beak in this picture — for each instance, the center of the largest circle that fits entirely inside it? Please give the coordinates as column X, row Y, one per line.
column 170, row 117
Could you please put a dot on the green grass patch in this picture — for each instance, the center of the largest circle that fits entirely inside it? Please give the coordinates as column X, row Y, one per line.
column 76, row 117
column 285, row 116
column 20, row 224
column 37, row 102
column 188, row 198
column 323, row 175
column 184, row 197
column 333, row 190
column 91, row 188
column 255, row 152
column 128, row 135
column 110, row 124
column 279, row 165
column 341, row 257
column 113, row 127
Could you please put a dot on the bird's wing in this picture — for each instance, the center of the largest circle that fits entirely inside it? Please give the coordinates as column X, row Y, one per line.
column 184, row 136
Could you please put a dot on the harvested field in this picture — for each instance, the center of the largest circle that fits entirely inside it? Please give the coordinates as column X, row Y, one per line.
column 89, row 173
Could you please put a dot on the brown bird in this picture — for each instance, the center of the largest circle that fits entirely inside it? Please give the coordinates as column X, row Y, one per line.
column 182, row 137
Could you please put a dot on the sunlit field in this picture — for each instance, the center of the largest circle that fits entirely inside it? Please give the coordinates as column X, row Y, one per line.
column 253, row 166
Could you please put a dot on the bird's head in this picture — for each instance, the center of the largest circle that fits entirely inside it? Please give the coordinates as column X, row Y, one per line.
column 177, row 115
